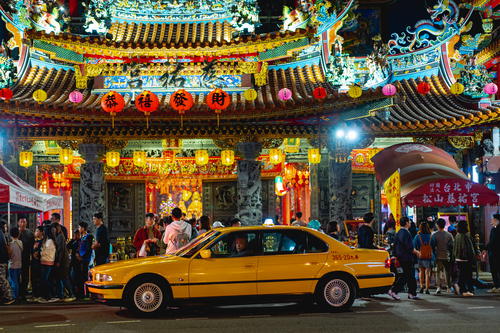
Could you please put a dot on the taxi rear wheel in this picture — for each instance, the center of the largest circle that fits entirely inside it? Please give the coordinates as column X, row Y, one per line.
column 147, row 296
column 336, row 293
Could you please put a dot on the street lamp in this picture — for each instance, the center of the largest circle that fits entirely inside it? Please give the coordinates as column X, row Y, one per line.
column 345, row 137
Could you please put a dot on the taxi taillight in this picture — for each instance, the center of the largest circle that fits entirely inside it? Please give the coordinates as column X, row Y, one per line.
column 388, row 262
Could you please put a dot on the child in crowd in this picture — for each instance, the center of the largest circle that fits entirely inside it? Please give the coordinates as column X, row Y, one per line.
column 15, row 262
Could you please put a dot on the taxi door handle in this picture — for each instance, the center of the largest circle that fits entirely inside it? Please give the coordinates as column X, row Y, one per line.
column 249, row 266
column 313, row 263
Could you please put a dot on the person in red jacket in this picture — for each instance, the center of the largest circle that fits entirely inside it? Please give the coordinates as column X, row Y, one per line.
column 146, row 238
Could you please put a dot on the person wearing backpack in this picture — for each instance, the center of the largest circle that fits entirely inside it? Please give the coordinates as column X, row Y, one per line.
column 422, row 243
column 178, row 233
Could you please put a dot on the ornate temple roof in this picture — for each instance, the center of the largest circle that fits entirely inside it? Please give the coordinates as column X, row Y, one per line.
column 437, row 111
column 307, row 56
column 170, row 40
column 410, row 113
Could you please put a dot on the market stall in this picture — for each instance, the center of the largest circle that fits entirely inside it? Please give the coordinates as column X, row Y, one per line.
column 17, row 196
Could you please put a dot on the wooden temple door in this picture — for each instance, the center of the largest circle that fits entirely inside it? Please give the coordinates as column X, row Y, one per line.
column 220, row 199
column 126, row 208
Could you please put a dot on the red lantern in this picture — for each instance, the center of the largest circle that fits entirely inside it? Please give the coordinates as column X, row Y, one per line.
column 181, row 101
column 112, row 103
column 218, row 100
column 423, row 88
column 6, row 93
column 319, row 93
column 147, row 102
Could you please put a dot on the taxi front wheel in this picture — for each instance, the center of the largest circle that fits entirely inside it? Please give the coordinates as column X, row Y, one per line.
column 336, row 293
column 147, row 296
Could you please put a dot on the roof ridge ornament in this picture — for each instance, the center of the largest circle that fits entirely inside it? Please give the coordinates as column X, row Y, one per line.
column 443, row 24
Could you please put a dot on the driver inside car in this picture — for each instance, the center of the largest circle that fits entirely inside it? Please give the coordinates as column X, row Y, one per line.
column 240, row 248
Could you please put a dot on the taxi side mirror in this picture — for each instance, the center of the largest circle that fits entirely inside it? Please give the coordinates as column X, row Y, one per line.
column 206, row 254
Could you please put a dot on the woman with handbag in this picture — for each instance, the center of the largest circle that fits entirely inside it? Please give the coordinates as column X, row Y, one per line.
column 464, row 257
column 146, row 238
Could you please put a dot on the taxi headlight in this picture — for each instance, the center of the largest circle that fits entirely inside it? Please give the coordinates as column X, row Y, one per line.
column 103, row 277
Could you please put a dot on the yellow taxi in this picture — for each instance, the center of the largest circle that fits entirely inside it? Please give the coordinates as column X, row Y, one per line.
column 259, row 262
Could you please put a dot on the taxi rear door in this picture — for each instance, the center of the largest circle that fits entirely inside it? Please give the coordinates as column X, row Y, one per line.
column 289, row 262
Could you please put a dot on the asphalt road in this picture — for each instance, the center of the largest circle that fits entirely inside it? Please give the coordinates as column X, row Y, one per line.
column 380, row 314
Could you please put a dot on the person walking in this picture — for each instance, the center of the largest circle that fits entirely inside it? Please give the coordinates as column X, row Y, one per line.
column 15, row 262
column 47, row 260
column 405, row 253
column 494, row 253
column 442, row 246
column 84, row 255
column 36, row 266
column 464, row 256
column 62, row 264
column 101, row 240
column 365, row 232
column 5, row 291
column 27, row 237
column 146, row 238
column 422, row 243
column 177, row 233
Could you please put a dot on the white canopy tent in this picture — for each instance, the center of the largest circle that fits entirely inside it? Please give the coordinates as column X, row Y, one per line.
column 17, row 196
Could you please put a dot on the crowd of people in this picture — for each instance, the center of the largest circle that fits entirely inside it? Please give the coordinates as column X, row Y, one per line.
column 451, row 253
column 54, row 266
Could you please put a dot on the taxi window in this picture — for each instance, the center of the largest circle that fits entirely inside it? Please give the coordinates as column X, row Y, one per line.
column 315, row 245
column 283, row 242
column 235, row 244
column 197, row 244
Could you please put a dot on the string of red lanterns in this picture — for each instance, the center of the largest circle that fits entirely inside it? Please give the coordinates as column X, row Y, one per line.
column 219, row 100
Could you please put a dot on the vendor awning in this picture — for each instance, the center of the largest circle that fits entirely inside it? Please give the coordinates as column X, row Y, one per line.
column 451, row 192
column 22, row 197
column 417, row 163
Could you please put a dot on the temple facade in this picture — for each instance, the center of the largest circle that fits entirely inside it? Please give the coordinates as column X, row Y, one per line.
column 135, row 106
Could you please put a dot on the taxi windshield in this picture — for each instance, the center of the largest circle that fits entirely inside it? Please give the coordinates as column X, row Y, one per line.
column 196, row 244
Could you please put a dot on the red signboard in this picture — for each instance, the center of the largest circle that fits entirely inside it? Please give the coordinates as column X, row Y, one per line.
column 451, row 192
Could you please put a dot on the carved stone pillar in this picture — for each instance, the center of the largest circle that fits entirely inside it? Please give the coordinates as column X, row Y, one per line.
column 91, row 181
column 249, row 184
column 340, row 190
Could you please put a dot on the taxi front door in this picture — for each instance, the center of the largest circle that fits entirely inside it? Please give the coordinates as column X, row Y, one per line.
column 224, row 274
